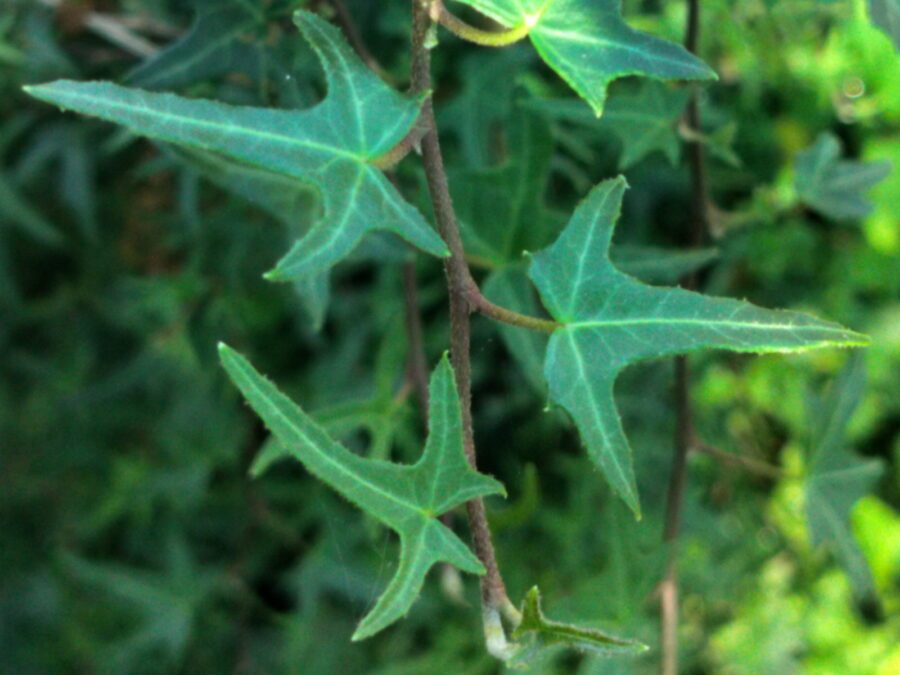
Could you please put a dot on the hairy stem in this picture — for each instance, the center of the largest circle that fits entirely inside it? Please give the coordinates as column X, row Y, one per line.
column 493, row 590
column 684, row 432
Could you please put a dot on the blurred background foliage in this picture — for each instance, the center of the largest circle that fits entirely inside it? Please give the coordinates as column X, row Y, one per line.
column 132, row 538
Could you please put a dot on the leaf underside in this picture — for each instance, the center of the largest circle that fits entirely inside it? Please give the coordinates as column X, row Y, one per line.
column 610, row 320
column 407, row 498
column 588, row 44
column 330, row 146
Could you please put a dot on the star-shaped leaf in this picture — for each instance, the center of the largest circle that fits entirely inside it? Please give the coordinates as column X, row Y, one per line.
column 610, row 320
column 408, row 499
column 836, row 187
column 502, row 213
column 330, row 146
column 588, row 43
column 837, row 478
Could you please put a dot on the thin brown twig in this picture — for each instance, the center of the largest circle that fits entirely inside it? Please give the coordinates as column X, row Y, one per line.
column 493, row 590
column 114, row 30
column 684, row 433
column 418, row 361
column 750, row 464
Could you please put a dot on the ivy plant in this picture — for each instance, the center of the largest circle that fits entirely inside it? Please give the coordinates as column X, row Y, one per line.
column 573, row 308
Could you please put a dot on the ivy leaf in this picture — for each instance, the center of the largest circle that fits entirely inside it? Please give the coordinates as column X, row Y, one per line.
column 330, row 146
column 408, row 499
column 645, row 121
column 166, row 603
column 660, row 265
column 588, row 44
column 212, row 47
column 835, row 187
column 610, row 320
column 886, row 15
column 837, row 478
column 536, row 633
column 644, row 118
column 15, row 211
column 288, row 201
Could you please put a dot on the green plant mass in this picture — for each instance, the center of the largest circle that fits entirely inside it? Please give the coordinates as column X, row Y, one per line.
column 583, row 316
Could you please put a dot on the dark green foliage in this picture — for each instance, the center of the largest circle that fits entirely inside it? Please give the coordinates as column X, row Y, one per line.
column 133, row 537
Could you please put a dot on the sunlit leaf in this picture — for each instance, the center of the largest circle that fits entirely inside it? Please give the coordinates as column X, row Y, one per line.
column 886, row 15
column 610, row 320
column 588, row 43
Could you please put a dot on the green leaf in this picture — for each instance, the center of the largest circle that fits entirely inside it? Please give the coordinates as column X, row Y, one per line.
column 588, row 44
column 15, row 211
column 835, row 187
column 610, row 320
column 330, row 146
column 166, row 603
column 645, row 121
column 536, row 633
column 886, row 15
column 408, row 499
column 836, row 478
column 282, row 197
column 660, row 265
column 212, row 47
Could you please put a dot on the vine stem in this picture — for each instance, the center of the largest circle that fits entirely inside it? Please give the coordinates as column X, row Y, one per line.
column 684, row 430
column 486, row 38
column 493, row 590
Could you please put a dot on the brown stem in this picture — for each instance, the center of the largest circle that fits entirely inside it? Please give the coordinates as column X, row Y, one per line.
column 493, row 590
column 684, row 432
column 418, row 361
column 752, row 465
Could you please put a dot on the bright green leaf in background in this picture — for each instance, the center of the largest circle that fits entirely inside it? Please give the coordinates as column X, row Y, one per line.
column 836, row 478
column 588, row 43
column 886, row 15
column 835, row 187
column 330, row 146
column 610, row 320
column 408, row 499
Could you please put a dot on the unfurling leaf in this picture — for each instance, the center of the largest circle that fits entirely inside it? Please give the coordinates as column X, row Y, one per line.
column 330, row 146
column 536, row 632
column 588, row 43
column 837, row 478
column 408, row 499
column 610, row 320
column 836, row 187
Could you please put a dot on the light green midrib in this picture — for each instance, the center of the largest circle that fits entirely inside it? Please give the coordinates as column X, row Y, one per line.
column 232, row 130
column 598, row 417
column 715, row 323
column 249, row 376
